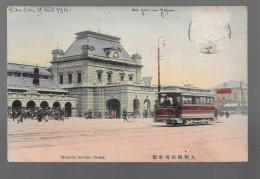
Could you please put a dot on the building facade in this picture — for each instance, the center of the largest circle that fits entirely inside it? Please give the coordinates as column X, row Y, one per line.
column 97, row 69
column 23, row 92
column 232, row 95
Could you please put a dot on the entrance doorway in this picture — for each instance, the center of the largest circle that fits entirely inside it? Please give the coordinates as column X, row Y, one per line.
column 136, row 105
column 31, row 104
column 113, row 105
column 147, row 105
column 44, row 104
column 17, row 104
column 68, row 109
column 56, row 105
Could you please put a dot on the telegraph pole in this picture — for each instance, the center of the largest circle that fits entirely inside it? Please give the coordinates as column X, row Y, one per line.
column 159, row 82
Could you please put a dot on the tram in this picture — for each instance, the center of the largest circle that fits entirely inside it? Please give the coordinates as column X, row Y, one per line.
column 185, row 105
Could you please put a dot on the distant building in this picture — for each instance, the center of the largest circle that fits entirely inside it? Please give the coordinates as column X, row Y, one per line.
column 24, row 92
column 98, row 70
column 232, row 95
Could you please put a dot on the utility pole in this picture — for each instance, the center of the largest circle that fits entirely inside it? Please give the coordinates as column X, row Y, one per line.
column 243, row 101
column 159, row 82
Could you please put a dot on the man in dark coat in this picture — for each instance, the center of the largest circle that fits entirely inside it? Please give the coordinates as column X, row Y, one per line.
column 124, row 114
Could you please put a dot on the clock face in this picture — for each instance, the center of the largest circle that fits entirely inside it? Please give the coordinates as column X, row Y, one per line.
column 115, row 54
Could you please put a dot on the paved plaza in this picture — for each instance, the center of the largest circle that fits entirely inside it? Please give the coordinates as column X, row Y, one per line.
column 138, row 140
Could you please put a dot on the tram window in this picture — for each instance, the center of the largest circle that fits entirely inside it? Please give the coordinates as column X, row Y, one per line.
column 207, row 100
column 178, row 100
column 197, row 100
column 203, row 100
column 193, row 100
column 187, row 100
column 175, row 101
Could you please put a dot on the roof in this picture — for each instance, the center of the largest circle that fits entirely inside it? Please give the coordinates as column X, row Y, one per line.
column 231, row 84
column 148, row 78
column 23, row 82
column 99, row 41
column 186, row 91
column 22, row 68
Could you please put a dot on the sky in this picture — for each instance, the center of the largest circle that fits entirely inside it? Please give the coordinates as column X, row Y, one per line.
column 33, row 32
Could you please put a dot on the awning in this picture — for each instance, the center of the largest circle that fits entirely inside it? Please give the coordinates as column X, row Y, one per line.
column 231, row 105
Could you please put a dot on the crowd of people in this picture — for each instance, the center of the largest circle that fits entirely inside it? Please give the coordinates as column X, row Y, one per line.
column 39, row 114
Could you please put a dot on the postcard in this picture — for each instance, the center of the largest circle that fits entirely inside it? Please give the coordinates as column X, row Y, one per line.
column 127, row 84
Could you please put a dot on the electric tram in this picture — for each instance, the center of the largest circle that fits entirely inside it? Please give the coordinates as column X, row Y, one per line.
column 184, row 105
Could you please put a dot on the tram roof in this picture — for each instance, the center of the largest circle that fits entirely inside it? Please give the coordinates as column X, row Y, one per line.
column 182, row 90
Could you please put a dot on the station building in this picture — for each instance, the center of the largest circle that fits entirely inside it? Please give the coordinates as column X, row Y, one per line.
column 98, row 70
column 231, row 95
column 23, row 92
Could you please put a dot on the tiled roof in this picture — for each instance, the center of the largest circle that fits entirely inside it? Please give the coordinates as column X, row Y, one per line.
column 230, row 84
column 22, row 68
column 23, row 82
column 99, row 41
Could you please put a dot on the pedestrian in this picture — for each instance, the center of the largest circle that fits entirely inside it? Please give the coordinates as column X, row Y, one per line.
column 216, row 114
column 86, row 114
column 113, row 114
column 61, row 115
column 39, row 115
column 66, row 114
column 124, row 114
column 227, row 114
column 90, row 113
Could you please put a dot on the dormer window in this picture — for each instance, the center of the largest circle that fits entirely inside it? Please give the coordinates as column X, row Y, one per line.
column 113, row 52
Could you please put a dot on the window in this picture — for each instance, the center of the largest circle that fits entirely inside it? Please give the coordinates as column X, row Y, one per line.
column 9, row 74
column 17, row 74
column 122, row 78
column 130, row 78
column 99, row 77
column 61, row 79
column 202, row 100
column 109, row 78
column 70, row 78
column 79, row 77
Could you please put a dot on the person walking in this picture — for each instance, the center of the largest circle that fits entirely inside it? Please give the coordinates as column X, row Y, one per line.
column 124, row 114
column 113, row 114
column 227, row 114
column 66, row 114
column 86, row 114
column 62, row 114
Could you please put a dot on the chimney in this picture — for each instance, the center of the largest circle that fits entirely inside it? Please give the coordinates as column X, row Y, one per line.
column 36, row 76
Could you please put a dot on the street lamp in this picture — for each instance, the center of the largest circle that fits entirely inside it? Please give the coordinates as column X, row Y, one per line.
column 159, row 84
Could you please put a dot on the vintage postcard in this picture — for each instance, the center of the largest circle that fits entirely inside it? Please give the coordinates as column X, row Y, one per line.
column 127, row 84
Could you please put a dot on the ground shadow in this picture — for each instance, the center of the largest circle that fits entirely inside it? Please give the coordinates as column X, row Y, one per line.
column 181, row 125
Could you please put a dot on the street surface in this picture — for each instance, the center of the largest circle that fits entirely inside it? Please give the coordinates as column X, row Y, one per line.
column 139, row 140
